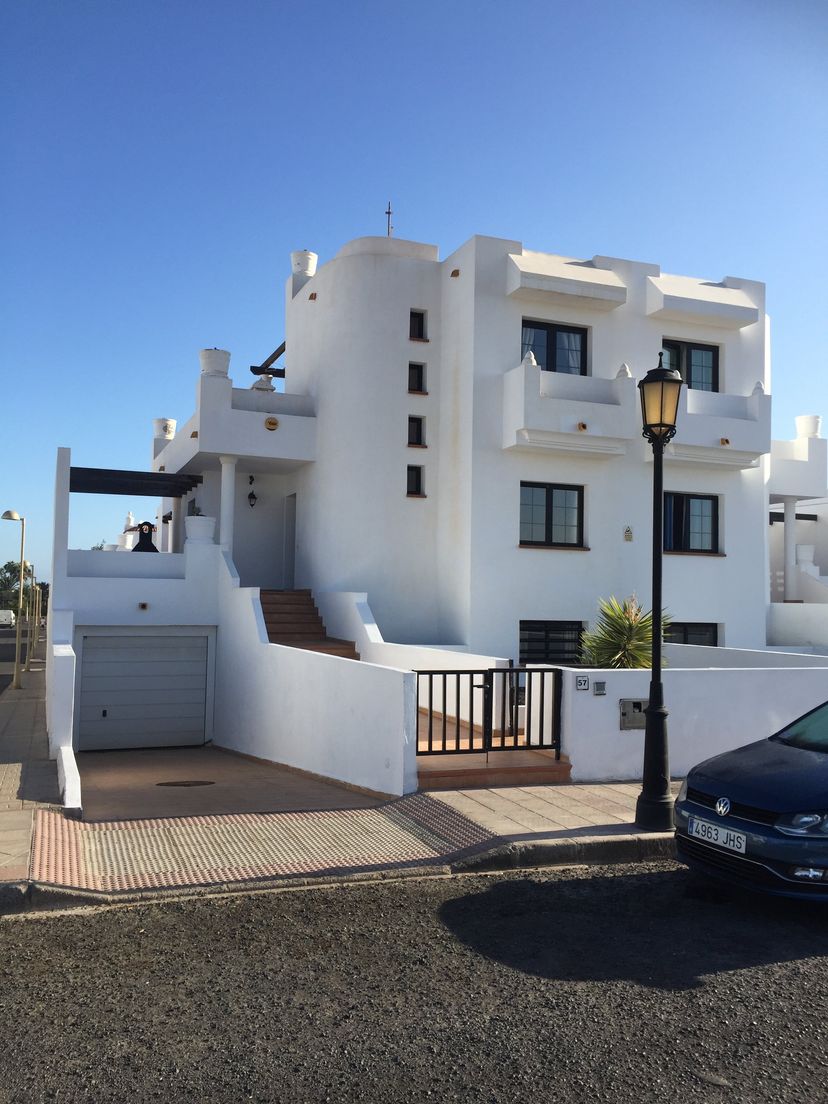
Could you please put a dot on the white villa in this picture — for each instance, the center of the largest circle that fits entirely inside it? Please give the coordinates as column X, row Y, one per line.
column 454, row 475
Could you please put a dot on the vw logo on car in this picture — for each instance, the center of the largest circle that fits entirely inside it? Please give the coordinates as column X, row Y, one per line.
column 723, row 806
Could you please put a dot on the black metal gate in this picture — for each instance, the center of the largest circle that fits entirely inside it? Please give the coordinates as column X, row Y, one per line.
column 499, row 709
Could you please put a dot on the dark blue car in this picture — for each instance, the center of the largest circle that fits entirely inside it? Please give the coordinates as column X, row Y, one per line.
column 758, row 816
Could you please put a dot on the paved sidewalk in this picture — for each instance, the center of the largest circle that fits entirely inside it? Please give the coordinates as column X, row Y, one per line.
column 28, row 779
column 313, row 829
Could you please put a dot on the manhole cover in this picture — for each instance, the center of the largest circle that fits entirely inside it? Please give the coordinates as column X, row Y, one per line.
column 186, row 782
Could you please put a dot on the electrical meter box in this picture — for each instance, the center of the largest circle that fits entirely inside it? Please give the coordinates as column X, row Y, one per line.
column 632, row 712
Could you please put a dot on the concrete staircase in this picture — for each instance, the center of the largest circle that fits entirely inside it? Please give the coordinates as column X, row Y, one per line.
column 291, row 618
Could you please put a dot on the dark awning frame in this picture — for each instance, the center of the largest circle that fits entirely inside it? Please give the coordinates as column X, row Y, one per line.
column 149, row 484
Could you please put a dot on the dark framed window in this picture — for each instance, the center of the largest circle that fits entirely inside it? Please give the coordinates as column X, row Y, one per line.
column 416, row 379
column 551, row 515
column 691, row 522
column 416, row 431
column 550, row 642
column 693, row 632
column 557, row 348
column 416, row 484
column 417, row 325
column 697, row 364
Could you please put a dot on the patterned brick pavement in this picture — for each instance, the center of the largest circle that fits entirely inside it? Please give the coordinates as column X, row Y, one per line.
column 212, row 850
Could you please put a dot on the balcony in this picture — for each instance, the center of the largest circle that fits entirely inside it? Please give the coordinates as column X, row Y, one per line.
column 729, row 431
column 590, row 415
column 798, row 468
column 575, row 415
column 269, row 429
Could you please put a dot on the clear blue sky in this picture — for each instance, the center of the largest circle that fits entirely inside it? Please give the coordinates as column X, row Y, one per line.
column 163, row 158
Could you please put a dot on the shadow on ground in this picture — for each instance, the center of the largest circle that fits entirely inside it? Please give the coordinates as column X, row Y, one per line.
column 666, row 929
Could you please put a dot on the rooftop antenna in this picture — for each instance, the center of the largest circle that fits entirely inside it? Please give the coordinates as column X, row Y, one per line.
column 389, row 228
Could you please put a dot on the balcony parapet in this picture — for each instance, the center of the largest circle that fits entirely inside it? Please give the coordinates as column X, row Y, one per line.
column 600, row 416
column 798, row 468
column 267, row 426
column 84, row 563
column 578, row 415
column 717, row 430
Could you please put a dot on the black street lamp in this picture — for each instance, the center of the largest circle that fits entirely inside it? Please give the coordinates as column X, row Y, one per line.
column 660, row 390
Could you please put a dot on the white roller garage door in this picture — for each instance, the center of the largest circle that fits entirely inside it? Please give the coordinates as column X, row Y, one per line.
column 142, row 691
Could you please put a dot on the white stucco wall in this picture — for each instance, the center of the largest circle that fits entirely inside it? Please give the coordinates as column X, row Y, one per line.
column 709, row 712
column 351, row 721
column 448, row 567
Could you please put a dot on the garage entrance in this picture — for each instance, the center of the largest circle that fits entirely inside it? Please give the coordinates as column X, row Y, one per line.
column 142, row 692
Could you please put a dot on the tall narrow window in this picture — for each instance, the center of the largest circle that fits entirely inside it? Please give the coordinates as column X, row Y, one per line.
column 417, row 325
column 697, row 364
column 691, row 522
column 416, row 485
column 551, row 515
column 416, row 379
column 416, row 432
column 556, row 348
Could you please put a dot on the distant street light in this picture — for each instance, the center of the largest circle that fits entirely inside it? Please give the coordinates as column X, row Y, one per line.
column 12, row 515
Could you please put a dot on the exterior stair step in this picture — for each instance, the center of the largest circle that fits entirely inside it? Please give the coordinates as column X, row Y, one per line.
column 292, row 620
column 504, row 768
column 296, row 628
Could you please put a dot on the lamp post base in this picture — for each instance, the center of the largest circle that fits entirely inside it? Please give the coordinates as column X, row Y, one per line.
column 654, row 814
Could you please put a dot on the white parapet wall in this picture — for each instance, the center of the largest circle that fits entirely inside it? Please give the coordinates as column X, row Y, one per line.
column 69, row 782
column 710, row 711
column 355, row 722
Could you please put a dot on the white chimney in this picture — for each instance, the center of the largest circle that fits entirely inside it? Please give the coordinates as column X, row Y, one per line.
column 214, row 362
column 808, row 425
column 163, row 430
column 303, row 266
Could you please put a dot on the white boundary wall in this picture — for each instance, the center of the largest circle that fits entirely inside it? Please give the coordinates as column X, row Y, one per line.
column 693, row 656
column 710, row 711
column 355, row 722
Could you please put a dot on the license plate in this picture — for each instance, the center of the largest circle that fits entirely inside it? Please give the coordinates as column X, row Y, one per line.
column 718, row 834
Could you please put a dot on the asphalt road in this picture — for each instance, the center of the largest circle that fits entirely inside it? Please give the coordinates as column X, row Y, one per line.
column 622, row 984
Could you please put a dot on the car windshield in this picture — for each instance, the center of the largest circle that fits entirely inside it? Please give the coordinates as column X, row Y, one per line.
column 809, row 733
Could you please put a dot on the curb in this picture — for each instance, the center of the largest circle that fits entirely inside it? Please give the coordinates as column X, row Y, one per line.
column 593, row 851
column 13, row 897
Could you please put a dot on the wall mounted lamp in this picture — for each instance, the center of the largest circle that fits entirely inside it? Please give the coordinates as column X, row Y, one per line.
column 251, row 497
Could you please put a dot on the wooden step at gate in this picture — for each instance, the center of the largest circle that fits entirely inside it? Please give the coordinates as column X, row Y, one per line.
column 291, row 618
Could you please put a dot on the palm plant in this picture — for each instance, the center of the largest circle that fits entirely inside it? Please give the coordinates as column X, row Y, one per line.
column 622, row 637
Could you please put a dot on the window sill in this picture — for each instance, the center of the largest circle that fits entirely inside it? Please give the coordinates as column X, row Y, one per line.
column 416, row 496
column 421, row 340
column 693, row 552
column 417, row 392
column 410, row 445
column 557, row 547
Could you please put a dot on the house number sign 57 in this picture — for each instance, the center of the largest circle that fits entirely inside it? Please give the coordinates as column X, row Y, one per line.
column 582, row 682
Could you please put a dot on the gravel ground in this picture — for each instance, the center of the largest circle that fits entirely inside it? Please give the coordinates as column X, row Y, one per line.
column 619, row 984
